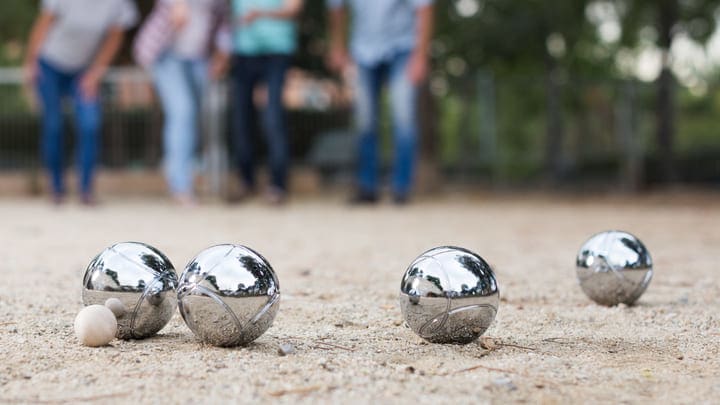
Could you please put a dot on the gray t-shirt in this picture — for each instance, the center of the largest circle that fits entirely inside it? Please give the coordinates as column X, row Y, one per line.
column 80, row 27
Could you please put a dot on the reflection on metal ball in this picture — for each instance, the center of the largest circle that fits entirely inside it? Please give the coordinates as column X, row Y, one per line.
column 614, row 267
column 228, row 295
column 449, row 295
column 141, row 279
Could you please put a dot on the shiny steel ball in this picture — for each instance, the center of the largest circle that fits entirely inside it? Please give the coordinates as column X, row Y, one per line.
column 228, row 295
column 449, row 295
column 614, row 267
column 137, row 277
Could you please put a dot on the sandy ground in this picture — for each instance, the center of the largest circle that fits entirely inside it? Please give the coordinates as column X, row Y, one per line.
column 340, row 271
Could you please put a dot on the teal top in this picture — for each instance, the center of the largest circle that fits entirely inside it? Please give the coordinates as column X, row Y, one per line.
column 264, row 35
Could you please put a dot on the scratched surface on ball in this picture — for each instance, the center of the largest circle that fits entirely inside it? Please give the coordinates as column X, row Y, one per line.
column 449, row 295
column 141, row 278
column 228, row 295
column 614, row 267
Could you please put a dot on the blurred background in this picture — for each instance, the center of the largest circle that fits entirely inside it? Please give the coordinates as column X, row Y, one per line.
column 576, row 94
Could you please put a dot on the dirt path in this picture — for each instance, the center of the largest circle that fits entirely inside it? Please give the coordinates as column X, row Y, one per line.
column 339, row 272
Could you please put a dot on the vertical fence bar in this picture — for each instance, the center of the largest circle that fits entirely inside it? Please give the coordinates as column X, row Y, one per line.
column 487, row 134
column 631, row 156
column 216, row 161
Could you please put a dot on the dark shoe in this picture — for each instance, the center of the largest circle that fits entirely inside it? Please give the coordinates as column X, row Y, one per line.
column 401, row 199
column 185, row 200
column 363, row 198
column 88, row 200
column 242, row 193
column 58, row 198
column 275, row 196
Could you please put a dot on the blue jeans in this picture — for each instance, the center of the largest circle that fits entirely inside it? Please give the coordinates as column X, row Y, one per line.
column 247, row 72
column 53, row 86
column 180, row 84
column 403, row 98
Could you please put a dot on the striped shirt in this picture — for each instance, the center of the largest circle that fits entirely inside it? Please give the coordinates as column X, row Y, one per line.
column 157, row 35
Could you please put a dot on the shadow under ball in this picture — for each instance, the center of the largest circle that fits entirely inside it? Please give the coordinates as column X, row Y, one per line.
column 142, row 278
column 614, row 267
column 228, row 295
column 449, row 295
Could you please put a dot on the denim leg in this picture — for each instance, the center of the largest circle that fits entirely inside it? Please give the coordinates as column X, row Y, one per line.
column 50, row 88
column 403, row 98
column 274, row 120
column 175, row 86
column 367, row 116
column 243, row 117
column 87, row 122
column 200, row 77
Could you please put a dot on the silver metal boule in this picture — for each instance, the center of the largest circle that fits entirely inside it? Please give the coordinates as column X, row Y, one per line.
column 614, row 267
column 228, row 295
column 449, row 295
column 141, row 278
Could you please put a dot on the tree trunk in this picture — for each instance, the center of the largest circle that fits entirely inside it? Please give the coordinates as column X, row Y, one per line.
column 665, row 108
column 554, row 124
column 427, row 113
column 666, row 125
column 428, row 171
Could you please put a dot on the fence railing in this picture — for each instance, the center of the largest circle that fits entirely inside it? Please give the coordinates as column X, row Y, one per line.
column 604, row 130
column 132, row 127
column 482, row 127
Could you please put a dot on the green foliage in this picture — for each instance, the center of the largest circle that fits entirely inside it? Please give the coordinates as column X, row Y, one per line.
column 312, row 37
column 451, row 113
column 513, row 36
column 667, row 18
column 525, row 47
column 698, row 122
column 16, row 18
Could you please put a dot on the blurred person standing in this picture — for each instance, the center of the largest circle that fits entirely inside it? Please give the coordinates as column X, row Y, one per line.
column 390, row 43
column 71, row 45
column 175, row 44
column 265, row 39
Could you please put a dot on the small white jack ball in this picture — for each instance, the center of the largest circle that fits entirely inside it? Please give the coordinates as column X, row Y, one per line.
column 116, row 306
column 95, row 325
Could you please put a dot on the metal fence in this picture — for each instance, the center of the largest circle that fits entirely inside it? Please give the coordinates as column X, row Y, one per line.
column 132, row 128
column 476, row 127
column 510, row 130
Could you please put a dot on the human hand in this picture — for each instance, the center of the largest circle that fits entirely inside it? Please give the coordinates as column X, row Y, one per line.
column 338, row 59
column 418, row 68
column 179, row 14
column 250, row 17
column 30, row 72
column 219, row 65
column 89, row 84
